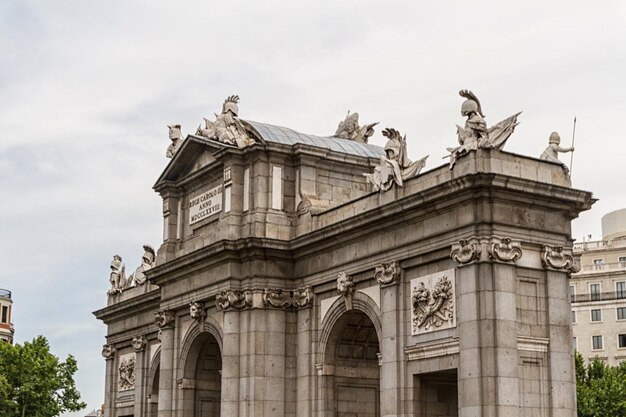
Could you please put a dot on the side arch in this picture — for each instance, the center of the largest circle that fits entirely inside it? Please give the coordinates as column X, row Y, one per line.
column 209, row 325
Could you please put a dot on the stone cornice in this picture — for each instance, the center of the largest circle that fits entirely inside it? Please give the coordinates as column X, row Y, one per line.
column 144, row 302
column 432, row 349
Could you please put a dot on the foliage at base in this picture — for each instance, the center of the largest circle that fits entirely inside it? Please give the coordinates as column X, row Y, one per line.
column 600, row 388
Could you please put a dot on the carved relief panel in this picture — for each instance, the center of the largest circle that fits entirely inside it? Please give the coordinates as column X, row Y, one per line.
column 433, row 305
column 126, row 376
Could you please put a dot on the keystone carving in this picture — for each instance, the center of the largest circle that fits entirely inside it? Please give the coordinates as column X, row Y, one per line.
column 387, row 273
column 465, row 251
column 139, row 343
column 556, row 257
column 197, row 311
column 127, row 374
column 505, row 250
column 432, row 308
column 164, row 318
column 346, row 288
column 236, row 299
column 286, row 299
column 108, row 351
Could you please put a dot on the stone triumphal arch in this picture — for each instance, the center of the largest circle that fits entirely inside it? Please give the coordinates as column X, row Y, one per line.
column 313, row 276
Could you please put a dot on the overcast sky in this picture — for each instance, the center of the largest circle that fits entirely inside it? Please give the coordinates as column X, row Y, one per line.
column 87, row 88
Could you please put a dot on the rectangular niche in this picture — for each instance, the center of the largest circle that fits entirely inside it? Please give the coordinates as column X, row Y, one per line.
column 432, row 302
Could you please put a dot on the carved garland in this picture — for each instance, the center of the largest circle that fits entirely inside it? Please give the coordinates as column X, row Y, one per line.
column 504, row 249
column 286, row 299
column 235, row 299
column 466, row 251
column 432, row 308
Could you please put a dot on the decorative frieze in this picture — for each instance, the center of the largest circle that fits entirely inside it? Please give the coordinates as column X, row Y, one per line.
column 197, row 311
column 233, row 299
column 346, row 287
column 387, row 273
column 139, row 343
column 503, row 249
column 164, row 318
column 556, row 257
column 432, row 349
column 466, row 251
column 433, row 302
column 108, row 351
column 286, row 299
column 126, row 379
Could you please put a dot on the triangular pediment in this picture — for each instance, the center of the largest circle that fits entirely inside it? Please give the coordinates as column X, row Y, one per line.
column 195, row 153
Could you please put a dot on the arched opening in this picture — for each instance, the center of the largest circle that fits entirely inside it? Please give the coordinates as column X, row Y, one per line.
column 201, row 384
column 352, row 367
column 153, row 394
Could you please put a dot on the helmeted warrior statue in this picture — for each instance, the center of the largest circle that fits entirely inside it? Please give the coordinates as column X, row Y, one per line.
column 147, row 262
column 350, row 129
column 176, row 137
column 117, row 276
column 552, row 151
column 475, row 134
column 227, row 128
column 395, row 166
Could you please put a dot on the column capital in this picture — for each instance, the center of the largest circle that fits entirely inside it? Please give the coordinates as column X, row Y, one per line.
column 164, row 319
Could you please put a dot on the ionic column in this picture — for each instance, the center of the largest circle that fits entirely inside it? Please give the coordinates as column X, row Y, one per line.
column 108, row 352
column 165, row 320
column 139, row 345
column 230, row 365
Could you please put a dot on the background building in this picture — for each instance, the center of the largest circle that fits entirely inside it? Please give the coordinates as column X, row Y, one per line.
column 6, row 305
column 598, row 293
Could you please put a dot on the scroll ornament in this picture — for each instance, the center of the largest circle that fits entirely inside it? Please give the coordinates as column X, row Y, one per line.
column 236, row 299
column 139, row 343
column 432, row 309
column 555, row 257
column 197, row 311
column 108, row 351
column 387, row 273
column 164, row 318
column 505, row 250
column 346, row 287
column 286, row 299
column 465, row 252
column 127, row 374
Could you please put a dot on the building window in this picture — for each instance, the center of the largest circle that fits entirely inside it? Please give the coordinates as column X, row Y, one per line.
column 596, row 343
column 574, row 343
column 573, row 317
column 598, row 264
column 621, row 341
column 622, row 261
column 594, row 289
column 621, row 313
column 246, row 189
column 5, row 314
column 277, row 187
column 596, row 315
column 572, row 293
column 620, row 289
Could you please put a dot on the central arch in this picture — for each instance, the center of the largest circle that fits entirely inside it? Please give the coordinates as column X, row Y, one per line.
column 351, row 370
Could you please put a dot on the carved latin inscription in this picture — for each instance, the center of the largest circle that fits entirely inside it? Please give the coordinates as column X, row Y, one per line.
column 433, row 302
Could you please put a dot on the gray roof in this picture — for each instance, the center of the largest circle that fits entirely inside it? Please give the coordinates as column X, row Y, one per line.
column 286, row 136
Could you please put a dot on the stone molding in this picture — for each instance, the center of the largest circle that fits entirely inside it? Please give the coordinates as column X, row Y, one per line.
column 503, row 249
column 432, row 350
column 164, row 319
column 560, row 259
column 108, row 351
column 466, row 251
column 197, row 311
column 288, row 299
column 533, row 344
column 139, row 343
column 388, row 273
column 186, row 383
column 346, row 287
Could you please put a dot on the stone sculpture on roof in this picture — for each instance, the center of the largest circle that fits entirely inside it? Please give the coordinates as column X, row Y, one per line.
column 552, row 151
column 475, row 134
column 147, row 263
column 176, row 138
column 118, row 276
column 350, row 129
column 395, row 167
column 227, row 128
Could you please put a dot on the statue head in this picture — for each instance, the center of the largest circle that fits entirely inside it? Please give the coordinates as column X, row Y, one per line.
column 148, row 255
column 468, row 107
column 554, row 138
column 116, row 263
column 230, row 104
column 174, row 132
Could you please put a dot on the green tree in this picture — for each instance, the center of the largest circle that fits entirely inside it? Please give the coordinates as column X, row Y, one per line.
column 35, row 383
column 600, row 388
